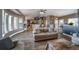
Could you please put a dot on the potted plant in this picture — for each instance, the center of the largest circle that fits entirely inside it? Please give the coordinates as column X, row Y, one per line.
column 70, row 23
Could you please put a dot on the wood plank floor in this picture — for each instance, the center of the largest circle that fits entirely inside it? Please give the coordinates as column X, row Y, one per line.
column 28, row 40
column 29, row 44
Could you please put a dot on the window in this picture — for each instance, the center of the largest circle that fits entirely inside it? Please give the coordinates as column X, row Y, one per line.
column 56, row 24
column 15, row 23
column 9, row 23
column 4, row 23
column 20, row 23
column 61, row 22
column 74, row 21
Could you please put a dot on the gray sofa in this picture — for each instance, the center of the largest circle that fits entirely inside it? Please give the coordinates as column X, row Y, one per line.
column 8, row 44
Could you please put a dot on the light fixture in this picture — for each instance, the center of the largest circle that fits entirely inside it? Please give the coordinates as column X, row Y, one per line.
column 42, row 12
column 56, row 18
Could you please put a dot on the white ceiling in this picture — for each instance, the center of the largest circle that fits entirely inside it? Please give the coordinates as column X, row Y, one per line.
column 55, row 12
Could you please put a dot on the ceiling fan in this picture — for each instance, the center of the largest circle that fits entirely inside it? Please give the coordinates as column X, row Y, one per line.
column 43, row 10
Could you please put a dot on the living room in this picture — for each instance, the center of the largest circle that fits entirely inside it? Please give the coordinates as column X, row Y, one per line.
column 39, row 29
